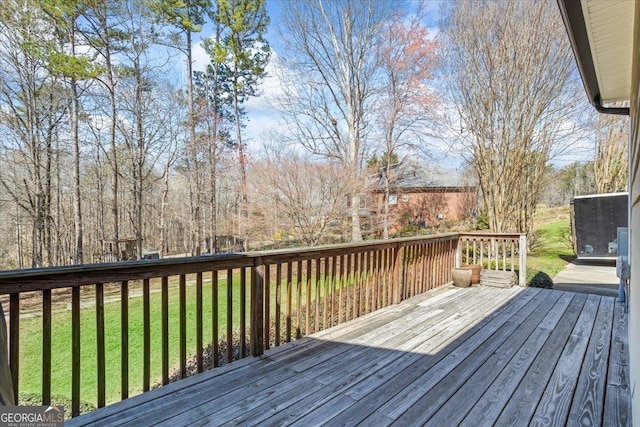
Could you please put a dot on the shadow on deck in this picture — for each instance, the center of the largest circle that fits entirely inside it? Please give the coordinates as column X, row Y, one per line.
column 475, row 356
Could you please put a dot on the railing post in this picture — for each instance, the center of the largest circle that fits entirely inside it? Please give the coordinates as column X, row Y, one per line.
column 6, row 381
column 14, row 343
column 397, row 286
column 522, row 248
column 257, row 308
column 458, row 262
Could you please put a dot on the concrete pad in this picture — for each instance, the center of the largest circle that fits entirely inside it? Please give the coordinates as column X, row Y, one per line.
column 588, row 276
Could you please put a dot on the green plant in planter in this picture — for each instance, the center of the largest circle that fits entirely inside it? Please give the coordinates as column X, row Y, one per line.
column 541, row 280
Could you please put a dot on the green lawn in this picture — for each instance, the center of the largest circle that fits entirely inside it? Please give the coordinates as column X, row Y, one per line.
column 551, row 251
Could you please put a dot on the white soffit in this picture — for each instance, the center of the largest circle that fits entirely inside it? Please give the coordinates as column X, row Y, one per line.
column 609, row 26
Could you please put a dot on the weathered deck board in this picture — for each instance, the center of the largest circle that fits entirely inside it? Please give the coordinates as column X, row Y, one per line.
column 487, row 408
column 522, row 404
column 586, row 406
column 435, row 350
column 455, row 399
column 401, row 402
column 367, row 357
column 195, row 405
column 474, row 356
column 617, row 404
column 553, row 408
column 374, row 397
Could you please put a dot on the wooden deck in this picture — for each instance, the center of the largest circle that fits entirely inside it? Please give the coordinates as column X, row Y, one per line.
column 475, row 356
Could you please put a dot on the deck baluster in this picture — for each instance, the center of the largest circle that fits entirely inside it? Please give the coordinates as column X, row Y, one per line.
column 183, row 325
column 199, row 339
column 215, row 327
column 46, row 347
column 229, row 315
column 14, row 342
column 75, row 352
column 100, row 362
column 146, row 337
column 165, row 329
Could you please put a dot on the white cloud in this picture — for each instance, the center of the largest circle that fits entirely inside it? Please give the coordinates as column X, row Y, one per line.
column 199, row 56
column 271, row 86
column 262, row 117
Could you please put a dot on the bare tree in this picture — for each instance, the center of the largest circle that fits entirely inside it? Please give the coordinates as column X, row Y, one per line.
column 302, row 197
column 100, row 21
column 33, row 105
column 241, row 44
column 214, row 120
column 407, row 59
column 612, row 155
column 510, row 77
column 188, row 17
column 66, row 61
column 331, row 76
column 148, row 105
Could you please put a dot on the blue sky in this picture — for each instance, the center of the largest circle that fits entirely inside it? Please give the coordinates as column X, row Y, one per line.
column 260, row 116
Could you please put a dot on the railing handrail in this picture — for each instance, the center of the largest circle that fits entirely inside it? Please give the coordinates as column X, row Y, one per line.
column 37, row 279
column 490, row 235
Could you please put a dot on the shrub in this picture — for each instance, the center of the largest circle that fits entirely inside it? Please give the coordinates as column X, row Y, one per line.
column 541, row 280
column 482, row 221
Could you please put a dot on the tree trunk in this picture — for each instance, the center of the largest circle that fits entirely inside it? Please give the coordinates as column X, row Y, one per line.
column 59, row 252
column 213, row 148
column 194, row 173
column 77, row 200
column 243, row 211
column 37, row 239
column 48, row 223
column 387, row 193
column 213, row 215
column 112, row 143
column 139, row 164
column 163, row 213
column 354, row 145
column 19, row 237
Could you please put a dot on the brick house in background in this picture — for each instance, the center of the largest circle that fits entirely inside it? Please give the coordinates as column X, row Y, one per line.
column 421, row 196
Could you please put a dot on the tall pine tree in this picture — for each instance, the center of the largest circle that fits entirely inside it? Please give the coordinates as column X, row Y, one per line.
column 245, row 50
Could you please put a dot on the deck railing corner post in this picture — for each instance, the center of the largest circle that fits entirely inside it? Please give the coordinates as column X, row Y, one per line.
column 257, row 308
column 522, row 248
column 458, row 261
column 6, row 377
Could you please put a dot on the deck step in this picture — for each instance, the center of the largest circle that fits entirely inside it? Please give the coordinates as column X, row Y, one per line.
column 498, row 279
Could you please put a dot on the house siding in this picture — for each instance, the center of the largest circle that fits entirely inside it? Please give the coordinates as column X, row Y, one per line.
column 634, row 174
column 426, row 204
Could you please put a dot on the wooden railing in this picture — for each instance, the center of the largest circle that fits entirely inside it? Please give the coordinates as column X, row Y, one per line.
column 240, row 304
column 506, row 252
column 6, row 388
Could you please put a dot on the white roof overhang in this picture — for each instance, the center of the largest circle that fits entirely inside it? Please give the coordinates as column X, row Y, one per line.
column 601, row 34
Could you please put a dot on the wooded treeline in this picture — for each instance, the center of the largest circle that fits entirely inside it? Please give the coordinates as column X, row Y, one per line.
column 110, row 141
column 103, row 141
column 108, row 149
